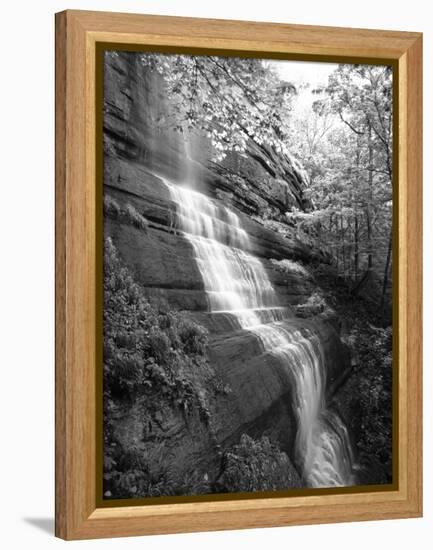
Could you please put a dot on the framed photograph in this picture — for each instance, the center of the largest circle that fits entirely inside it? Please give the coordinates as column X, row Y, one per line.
column 238, row 274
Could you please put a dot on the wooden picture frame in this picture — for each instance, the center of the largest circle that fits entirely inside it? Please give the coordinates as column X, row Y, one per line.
column 78, row 250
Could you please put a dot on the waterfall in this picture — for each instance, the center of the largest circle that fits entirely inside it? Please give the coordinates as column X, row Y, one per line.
column 237, row 284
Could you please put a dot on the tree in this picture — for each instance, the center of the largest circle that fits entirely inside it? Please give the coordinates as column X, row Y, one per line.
column 345, row 142
column 362, row 97
column 232, row 100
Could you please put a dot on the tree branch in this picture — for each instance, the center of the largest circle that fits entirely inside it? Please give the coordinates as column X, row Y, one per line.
column 350, row 125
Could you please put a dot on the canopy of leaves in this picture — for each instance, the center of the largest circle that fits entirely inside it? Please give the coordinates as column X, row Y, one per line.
column 345, row 142
column 230, row 99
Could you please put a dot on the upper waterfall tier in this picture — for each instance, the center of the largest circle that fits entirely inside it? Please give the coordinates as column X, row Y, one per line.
column 235, row 280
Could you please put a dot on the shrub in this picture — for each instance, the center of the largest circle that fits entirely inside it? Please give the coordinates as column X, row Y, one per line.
column 155, row 357
column 134, row 218
column 257, row 465
column 141, row 343
column 290, row 266
column 127, row 214
column 159, row 344
column 194, row 337
column 111, row 206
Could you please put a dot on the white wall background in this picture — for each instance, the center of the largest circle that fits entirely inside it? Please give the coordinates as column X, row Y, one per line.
column 27, row 270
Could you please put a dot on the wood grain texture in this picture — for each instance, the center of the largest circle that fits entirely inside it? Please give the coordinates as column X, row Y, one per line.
column 75, row 285
column 251, row 36
column 414, row 277
column 77, row 33
column 60, row 217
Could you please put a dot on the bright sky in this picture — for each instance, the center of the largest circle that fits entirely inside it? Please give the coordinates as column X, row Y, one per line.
column 304, row 72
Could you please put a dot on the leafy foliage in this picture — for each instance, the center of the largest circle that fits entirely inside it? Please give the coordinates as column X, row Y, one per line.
column 345, row 141
column 290, row 266
column 128, row 214
column 232, row 100
column 156, row 359
column 365, row 399
column 257, row 465
column 369, row 409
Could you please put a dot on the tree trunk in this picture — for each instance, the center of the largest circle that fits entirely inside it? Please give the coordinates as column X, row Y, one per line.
column 343, row 249
column 356, row 232
column 386, row 274
column 370, row 199
column 369, row 244
column 356, row 254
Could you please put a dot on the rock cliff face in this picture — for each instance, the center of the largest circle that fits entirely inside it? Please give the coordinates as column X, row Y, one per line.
column 139, row 152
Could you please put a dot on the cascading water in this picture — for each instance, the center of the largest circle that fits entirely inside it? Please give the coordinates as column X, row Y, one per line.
column 237, row 284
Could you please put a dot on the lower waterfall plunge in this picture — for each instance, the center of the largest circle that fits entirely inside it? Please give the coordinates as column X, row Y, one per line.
column 237, row 284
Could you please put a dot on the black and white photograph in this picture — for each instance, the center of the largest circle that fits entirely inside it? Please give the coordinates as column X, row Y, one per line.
column 247, row 274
